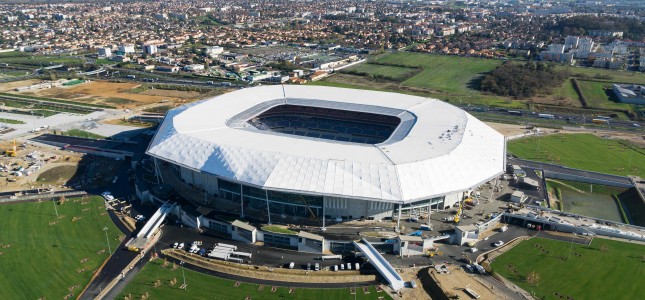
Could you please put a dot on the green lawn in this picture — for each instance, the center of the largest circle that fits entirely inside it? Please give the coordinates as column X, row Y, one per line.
column 441, row 72
column 43, row 260
column 31, row 59
column 394, row 72
column 201, row 286
column 608, row 75
column 597, row 95
column 278, row 229
column 82, row 134
column 567, row 91
column 11, row 121
column 589, row 273
column 582, row 151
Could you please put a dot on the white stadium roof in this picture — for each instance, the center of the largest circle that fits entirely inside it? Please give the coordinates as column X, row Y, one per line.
column 442, row 150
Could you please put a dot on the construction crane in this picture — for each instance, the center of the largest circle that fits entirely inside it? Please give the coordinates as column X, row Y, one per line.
column 13, row 151
column 458, row 214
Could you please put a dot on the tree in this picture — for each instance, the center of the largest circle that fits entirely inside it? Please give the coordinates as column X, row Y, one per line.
column 533, row 278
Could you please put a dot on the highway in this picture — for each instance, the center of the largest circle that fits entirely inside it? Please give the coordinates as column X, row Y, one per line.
column 566, row 170
column 566, row 119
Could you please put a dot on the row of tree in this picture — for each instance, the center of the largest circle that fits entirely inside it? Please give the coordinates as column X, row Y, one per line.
column 580, row 25
column 523, row 80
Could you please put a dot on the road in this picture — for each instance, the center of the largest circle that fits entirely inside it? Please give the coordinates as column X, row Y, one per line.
column 566, row 170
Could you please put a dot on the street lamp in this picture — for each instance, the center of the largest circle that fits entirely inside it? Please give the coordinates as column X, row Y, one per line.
column 107, row 239
column 55, row 208
column 183, row 274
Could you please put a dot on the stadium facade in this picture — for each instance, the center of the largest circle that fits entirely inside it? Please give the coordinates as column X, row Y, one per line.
column 298, row 153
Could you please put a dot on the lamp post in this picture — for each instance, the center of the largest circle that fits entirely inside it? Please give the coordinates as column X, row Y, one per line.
column 55, row 208
column 107, row 240
column 183, row 274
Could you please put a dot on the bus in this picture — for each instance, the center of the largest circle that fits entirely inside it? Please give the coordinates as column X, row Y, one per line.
column 600, row 121
column 515, row 112
column 546, row 116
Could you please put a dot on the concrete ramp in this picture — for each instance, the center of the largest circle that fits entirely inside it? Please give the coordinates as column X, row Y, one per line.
column 381, row 264
column 155, row 221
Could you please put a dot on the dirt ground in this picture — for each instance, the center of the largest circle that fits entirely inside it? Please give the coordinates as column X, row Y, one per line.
column 171, row 93
column 64, row 158
column 106, row 93
column 10, row 86
column 457, row 280
column 419, row 293
column 507, row 129
column 513, row 129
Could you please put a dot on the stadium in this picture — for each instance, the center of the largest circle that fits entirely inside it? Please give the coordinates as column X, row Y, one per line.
column 320, row 155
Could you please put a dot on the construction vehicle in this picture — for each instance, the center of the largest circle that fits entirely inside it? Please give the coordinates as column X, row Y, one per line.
column 432, row 252
column 458, row 214
column 13, row 151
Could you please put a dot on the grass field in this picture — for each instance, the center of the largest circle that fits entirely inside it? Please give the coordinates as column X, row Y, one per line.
column 58, row 174
column 278, row 229
column 604, row 270
column 31, row 59
column 441, row 72
column 589, row 200
column 454, row 79
column 11, row 121
column 82, row 134
column 201, row 286
column 597, row 95
column 44, row 260
column 607, row 74
column 394, row 72
column 582, row 151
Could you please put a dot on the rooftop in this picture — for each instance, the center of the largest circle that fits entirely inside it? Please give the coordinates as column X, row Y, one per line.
column 437, row 149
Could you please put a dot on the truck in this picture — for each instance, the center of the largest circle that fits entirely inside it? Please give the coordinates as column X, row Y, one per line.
column 546, row 116
column 600, row 121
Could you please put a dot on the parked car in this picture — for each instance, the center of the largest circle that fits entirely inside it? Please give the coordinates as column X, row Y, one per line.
column 498, row 243
column 317, row 267
column 291, row 265
column 175, row 245
column 181, row 246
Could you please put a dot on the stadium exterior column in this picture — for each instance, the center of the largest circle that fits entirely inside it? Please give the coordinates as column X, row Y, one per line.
column 398, row 220
column 323, row 216
column 158, row 172
column 242, row 200
column 266, row 194
column 429, row 210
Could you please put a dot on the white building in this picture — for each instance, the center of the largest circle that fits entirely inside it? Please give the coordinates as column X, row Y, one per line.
column 105, row 52
column 374, row 155
column 126, row 48
column 150, row 49
column 556, row 49
column 194, row 67
column 213, row 51
column 571, row 42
